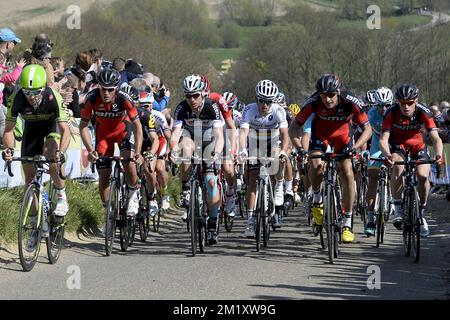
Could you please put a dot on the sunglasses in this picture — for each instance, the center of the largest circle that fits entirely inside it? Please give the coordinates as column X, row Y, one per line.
column 190, row 96
column 329, row 94
column 32, row 93
column 263, row 101
column 406, row 102
column 107, row 89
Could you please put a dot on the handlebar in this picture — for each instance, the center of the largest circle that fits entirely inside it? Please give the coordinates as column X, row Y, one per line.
column 37, row 160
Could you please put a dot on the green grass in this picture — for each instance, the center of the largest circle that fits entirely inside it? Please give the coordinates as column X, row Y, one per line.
column 39, row 10
column 409, row 21
column 86, row 210
column 217, row 55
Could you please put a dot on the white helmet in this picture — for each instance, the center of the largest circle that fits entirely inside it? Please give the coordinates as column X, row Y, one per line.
column 267, row 90
column 384, row 96
column 281, row 99
column 193, row 84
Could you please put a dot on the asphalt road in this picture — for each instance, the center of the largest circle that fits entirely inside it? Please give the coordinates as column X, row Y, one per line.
column 292, row 267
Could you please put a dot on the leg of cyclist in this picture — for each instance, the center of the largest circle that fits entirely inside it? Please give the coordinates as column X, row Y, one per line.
column 348, row 189
column 252, row 175
column 187, row 148
column 316, row 171
column 230, row 190
column 150, row 177
column 373, row 172
column 423, row 188
column 163, row 179
column 289, row 175
column 397, row 190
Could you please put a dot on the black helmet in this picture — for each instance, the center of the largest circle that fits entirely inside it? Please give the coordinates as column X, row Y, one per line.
column 108, row 78
column 328, row 83
column 407, row 91
column 131, row 91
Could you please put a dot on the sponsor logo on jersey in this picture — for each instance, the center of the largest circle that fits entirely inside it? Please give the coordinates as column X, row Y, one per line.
column 334, row 118
column 109, row 114
column 410, row 127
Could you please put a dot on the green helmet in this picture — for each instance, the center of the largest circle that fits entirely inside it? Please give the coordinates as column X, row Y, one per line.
column 33, row 76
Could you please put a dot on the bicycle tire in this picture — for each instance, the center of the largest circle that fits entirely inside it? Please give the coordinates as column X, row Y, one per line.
column 55, row 239
column 156, row 220
column 124, row 235
column 415, row 234
column 381, row 198
column 407, row 225
column 143, row 220
column 322, row 240
column 258, row 211
column 265, row 220
column 228, row 222
column 110, row 218
column 31, row 198
column 193, row 223
column 131, row 230
column 329, row 216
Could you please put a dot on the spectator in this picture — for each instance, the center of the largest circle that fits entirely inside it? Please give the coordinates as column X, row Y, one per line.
column 125, row 76
column 444, row 106
column 58, row 67
column 437, row 115
column 40, row 54
column 444, row 130
column 148, row 77
column 133, row 67
column 141, row 85
column 161, row 93
column 69, row 92
column 8, row 40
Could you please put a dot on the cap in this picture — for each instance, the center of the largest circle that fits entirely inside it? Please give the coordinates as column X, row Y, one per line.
column 7, row 35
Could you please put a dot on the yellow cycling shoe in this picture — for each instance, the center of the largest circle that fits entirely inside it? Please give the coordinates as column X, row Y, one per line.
column 317, row 213
column 347, row 235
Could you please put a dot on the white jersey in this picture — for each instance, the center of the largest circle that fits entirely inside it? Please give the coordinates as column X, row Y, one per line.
column 161, row 124
column 273, row 121
column 237, row 117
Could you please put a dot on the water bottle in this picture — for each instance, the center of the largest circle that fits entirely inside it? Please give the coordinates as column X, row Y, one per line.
column 45, row 210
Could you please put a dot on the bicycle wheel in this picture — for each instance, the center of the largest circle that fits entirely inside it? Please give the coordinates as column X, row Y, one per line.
column 415, row 232
column 55, row 238
column 131, row 230
column 112, row 211
column 322, row 240
column 193, row 217
column 408, row 202
column 30, row 233
column 258, row 212
column 329, row 223
column 381, row 205
column 156, row 220
column 265, row 219
column 142, row 218
column 124, row 235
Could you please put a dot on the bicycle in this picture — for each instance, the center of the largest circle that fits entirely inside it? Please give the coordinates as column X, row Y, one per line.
column 223, row 215
column 241, row 190
column 116, row 209
column 265, row 206
column 38, row 203
column 197, row 214
column 382, row 208
column 332, row 204
column 412, row 216
column 361, row 206
column 143, row 216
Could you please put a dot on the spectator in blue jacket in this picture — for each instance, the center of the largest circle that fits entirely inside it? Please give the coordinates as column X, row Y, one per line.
column 125, row 76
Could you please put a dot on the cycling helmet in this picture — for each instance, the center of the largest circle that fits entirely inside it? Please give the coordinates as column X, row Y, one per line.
column 371, row 97
column 267, row 90
column 294, row 108
column 146, row 98
column 384, row 96
column 207, row 84
column 131, row 91
column 407, row 92
column 231, row 99
column 239, row 107
column 328, row 83
column 281, row 99
column 108, row 78
column 193, row 84
column 33, row 77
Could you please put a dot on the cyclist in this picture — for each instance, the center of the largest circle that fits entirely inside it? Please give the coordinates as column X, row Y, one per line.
column 199, row 116
column 116, row 121
column 384, row 99
column 159, row 176
column 335, row 111
column 264, row 124
column 45, row 118
column 234, row 103
column 230, row 147
column 402, row 130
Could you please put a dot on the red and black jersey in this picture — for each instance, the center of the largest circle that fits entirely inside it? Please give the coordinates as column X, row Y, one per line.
column 333, row 124
column 109, row 117
column 222, row 104
column 408, row 131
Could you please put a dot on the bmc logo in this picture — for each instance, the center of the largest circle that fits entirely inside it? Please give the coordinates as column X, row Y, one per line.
column 354, row 100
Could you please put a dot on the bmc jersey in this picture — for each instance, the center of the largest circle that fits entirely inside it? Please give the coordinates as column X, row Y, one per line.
column 333, row 125
column 408, row 131
column 109, row 117
column 50, row 111
column 208, row 118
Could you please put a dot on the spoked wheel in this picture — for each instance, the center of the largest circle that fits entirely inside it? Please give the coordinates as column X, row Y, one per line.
column 202, row 234
column 55, row 238
column 329, row 224
column 259, row 213
column 29, row 228
column 156, row 220
column 131, row 230
column 193, row 217
column 407, row 227
column 142, row 219
column 124, row 234
column 112, row 212
column 415, row 234
column 228, row 222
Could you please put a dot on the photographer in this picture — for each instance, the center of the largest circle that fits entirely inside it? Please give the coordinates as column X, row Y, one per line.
column 161, row 93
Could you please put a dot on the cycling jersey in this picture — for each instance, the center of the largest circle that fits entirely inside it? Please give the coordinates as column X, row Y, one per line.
column 332, row 126
column 40, row 123
column 161, row 126
column 406, row 133
column 208, row 118
column 237, row 117
column 376, row 121
column 112, row 123
column 273, row 121
column 225, row 111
